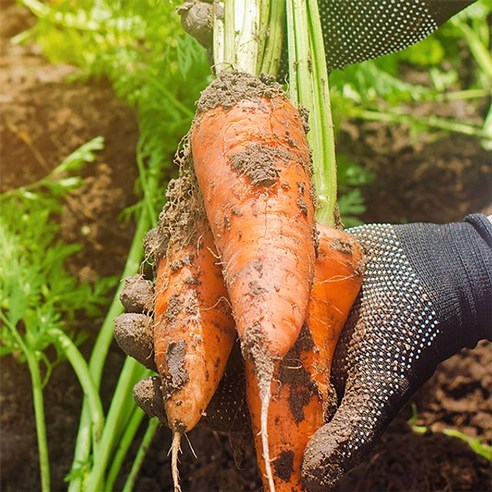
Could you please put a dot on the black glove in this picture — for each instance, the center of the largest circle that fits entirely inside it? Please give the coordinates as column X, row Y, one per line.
column 353, row 30
column 427, row 293
column 358, row 30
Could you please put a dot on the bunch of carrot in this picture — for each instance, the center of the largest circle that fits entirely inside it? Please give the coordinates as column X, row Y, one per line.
column 243, row 251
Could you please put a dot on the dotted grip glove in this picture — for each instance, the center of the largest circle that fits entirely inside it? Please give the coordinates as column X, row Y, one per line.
column 427, row 293
column 353, row 30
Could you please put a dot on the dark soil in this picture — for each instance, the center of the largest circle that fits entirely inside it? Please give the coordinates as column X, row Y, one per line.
column 43, row 119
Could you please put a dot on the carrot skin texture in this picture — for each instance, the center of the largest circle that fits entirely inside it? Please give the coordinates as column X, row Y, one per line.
column 262, row 223
column 193, row 328
column 300, row 388
column 253, row 166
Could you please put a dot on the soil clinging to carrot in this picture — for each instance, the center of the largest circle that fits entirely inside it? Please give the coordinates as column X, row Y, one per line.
column 259, row 163
column 293, row 373
column 178, row 375
column 231, row 87
column 283, row 465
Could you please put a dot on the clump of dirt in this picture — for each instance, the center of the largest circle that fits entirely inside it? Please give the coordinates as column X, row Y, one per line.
column 259, row 163
column 178, row 375
column 231, row 87
column 293, row 373
column 283, row 465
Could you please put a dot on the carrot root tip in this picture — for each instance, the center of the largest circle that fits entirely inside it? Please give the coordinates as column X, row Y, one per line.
column 265, row 386
column 175, row 449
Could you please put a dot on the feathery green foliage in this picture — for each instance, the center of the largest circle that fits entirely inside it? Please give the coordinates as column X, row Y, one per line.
column 40, row 299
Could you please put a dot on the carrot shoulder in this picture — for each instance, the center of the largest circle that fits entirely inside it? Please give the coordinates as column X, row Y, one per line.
column 300, row 388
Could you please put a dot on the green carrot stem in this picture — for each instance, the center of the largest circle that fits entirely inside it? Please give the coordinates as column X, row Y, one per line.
column 309, row 88
column 124, row 444
column 479, row 51
column 99, row 353
column 37, row 394
column 117, row 419
column 38, row 402
column 142, row 451
column 325, row 170
column 240, row 37
column 273, row 41
column 148, row 196
column 228, row 45
column 81, row 369
column 391, row 116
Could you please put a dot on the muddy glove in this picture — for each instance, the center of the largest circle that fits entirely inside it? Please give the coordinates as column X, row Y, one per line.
column 427, row 293
column 227, row 412
column 353, row 30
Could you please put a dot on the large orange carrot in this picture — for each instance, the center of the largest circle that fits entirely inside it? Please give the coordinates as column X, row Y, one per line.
column 193, row 325
column 252, row 163
column 300, row 388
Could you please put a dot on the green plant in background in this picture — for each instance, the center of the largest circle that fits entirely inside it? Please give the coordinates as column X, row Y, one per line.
column 40, row 298
column 374, row 90
column 475, row 444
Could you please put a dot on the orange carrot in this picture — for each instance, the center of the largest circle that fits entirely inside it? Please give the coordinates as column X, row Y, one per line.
column 193, row 325
column 300, row 387
column 252, row 164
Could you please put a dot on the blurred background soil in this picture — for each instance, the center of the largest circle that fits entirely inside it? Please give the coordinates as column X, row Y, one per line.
column 43, row 119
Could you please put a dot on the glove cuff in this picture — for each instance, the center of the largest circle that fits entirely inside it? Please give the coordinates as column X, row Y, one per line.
column 454, row 264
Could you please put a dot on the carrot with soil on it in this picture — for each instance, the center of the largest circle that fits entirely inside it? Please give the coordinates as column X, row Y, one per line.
column 193, row 325
column 300, row 389
column 253, row 166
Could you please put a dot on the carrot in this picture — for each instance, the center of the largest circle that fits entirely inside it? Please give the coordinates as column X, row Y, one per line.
column 253, row 167
column 300, row 389
column 193, row 325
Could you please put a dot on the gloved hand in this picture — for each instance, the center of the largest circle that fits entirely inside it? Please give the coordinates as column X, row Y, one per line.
column 426, row 294
column 353, row 30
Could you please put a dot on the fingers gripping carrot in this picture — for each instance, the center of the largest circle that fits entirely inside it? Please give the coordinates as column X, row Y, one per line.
column 252, row 163
column 300, row 387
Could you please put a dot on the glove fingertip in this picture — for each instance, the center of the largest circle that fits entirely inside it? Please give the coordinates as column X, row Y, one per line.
column 133, row 333
column 148, row 396
column 322, row 466
column 137, row 295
